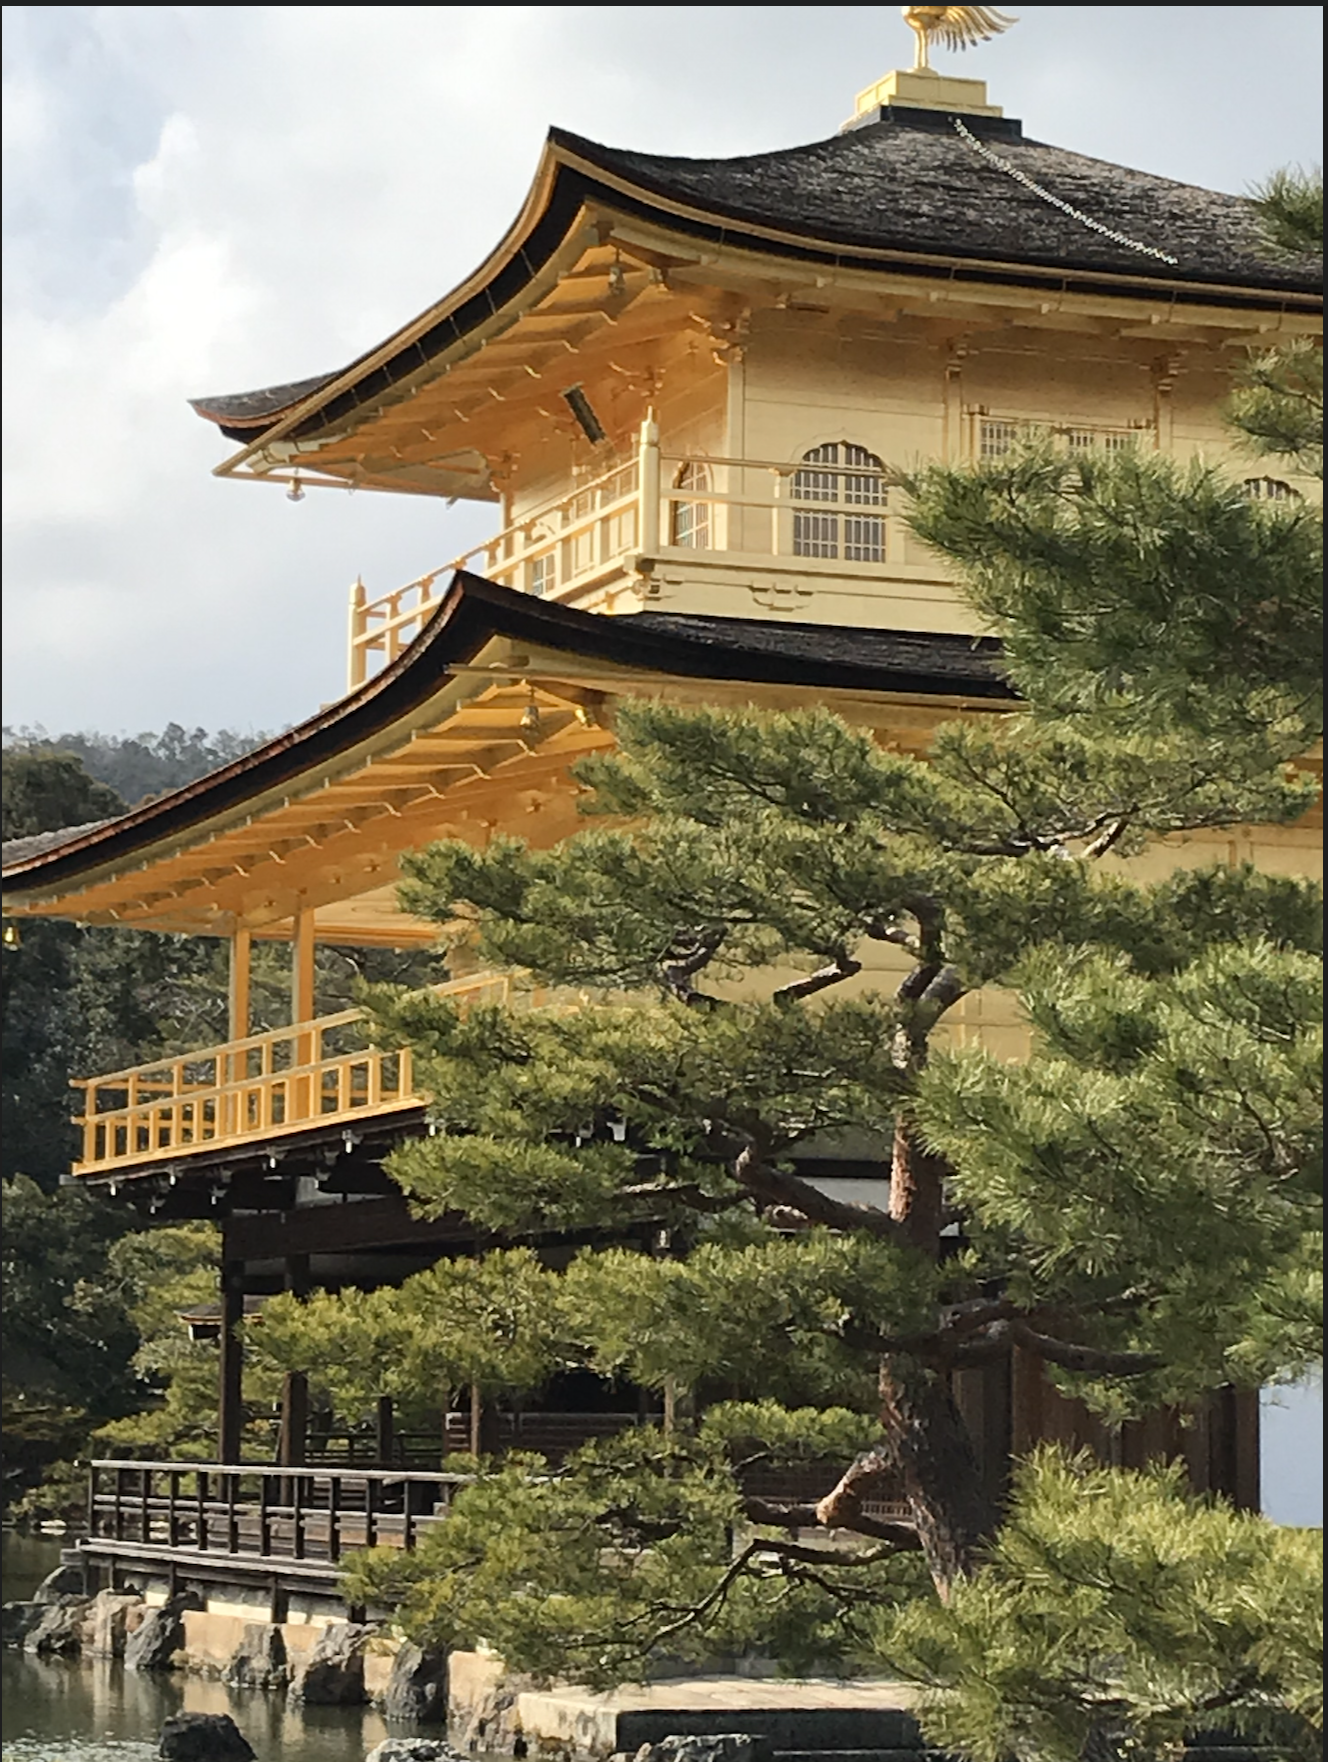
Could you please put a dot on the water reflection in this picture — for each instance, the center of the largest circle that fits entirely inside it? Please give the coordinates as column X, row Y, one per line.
column 52, row 1710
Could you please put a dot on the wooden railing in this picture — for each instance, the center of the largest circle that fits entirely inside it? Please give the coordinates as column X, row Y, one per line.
column 312, row 1073
column 316, row 1514
column 655, row 503
column 239, row 1510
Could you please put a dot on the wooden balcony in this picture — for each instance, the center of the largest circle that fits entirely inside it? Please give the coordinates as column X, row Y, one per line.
column 317, row 1073
column 661, row 511
column 232, row 1521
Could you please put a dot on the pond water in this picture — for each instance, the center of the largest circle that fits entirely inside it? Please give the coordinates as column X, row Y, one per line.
column 53, row 1711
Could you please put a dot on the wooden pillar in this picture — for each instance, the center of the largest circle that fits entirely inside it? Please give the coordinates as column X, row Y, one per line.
column 484, row 1435
column 1246, row 1491
column 302, row 967
column 357, row 659
column 648, row 487
column 230, row 1413
column 293, row 1446
column 293, row 1442
column 238, row 1012
column 303, row 1103
column 385, row 1429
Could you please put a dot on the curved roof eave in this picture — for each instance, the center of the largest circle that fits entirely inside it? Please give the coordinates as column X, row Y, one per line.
column 575, row 173
column 472, row 612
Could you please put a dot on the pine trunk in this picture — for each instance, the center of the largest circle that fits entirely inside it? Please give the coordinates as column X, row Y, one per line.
column 938, row 1468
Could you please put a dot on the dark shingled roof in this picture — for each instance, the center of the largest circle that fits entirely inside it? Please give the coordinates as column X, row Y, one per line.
column 241, row 409
column 18, row 850
column 905, row 181
column 881, row 658
column 471, row 612
column 909, row 182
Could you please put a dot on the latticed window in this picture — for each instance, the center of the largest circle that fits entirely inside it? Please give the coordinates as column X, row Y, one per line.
column 844, row 476
column 998, row 436
column 996, row 439
column 1097, row 440
column 691, row 520
column 542, row 574
column 1269, row 489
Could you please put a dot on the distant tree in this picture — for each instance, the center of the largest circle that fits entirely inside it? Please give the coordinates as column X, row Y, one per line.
column 142, row 765
column 68, row 1340
column 78, row 1001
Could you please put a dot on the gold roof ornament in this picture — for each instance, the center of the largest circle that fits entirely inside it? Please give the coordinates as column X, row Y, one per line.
column 954, row 27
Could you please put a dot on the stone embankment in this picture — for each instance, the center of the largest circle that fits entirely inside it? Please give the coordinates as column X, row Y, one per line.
column 333, row 1664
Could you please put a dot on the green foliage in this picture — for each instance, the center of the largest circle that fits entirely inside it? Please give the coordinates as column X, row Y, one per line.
column 1168, row 1130
column 68, row 1339
column 135, row 767
column 66, row 1334
column 791, row 1318
column 45, row 791
column 1138, row 596
column 1290, row 205
column 162, row 1274
column 492, row 1322
column 634, row 1553
column 1278, row 404
column 1117, row 1615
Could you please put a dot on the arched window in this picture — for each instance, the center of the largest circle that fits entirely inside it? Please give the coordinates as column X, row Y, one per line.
column 842, row 478
column 691, row 520
column 1269, row 489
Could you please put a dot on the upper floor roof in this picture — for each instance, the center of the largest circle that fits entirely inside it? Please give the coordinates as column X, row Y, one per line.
column 918, row 194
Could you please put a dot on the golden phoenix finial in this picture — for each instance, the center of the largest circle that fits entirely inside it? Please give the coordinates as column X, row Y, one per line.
column 956, row 27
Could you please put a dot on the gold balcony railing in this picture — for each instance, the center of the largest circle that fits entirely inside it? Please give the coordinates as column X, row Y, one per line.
column 679, row 506
column 313, row 1073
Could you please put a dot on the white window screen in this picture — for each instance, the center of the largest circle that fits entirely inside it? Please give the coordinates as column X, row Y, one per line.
column 691, row 520
column 840, row 472
column 543, row 574
column 996, row 439
column 1269, row 489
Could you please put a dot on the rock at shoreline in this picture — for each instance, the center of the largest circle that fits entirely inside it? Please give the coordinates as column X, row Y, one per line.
column 414, row 1750
column 111, row 1618
column 259, row 1661
column 18, row 1621
column 58, row 1630
column 725, row 1746
column 203, row 1737
column 161, row 1636
column 65, row 1581
column 334, row 1674
column 417, row 1688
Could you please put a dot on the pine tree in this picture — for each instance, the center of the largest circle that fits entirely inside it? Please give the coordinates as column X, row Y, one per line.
column 1136, row 1205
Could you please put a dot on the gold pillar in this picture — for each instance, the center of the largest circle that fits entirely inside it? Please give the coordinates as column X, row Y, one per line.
column 241, row 952
column 304, row 1089
column 237, row 1022
column 302, row 968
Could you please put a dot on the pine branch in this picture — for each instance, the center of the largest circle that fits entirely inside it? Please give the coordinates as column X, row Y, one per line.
column 842, row 967
column 1090, row 1360
column 842, row 1506
column 778, row 1188
column 687, row 1193
column 902, row 1536
column 688, row 953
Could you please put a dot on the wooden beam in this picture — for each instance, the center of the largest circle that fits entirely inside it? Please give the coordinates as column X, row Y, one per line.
column 302, row 967
column 230, row 1410
column 238, row 1008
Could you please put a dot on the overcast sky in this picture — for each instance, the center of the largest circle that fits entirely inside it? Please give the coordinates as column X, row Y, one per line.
column 205, row 199
column 208, row 199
